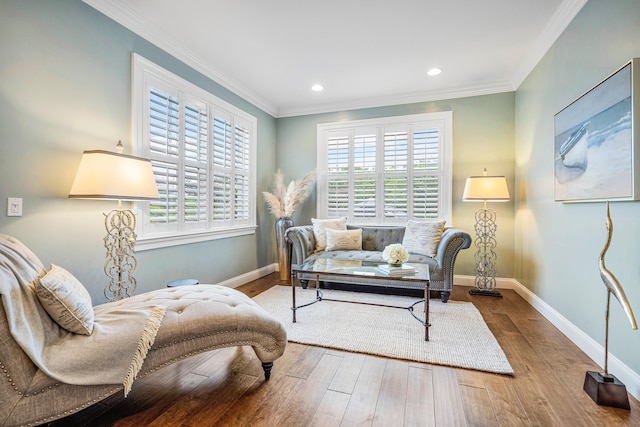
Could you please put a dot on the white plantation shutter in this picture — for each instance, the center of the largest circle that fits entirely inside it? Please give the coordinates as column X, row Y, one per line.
column 196, row 165
column 203, row 155
column 364, row 175
column 338, row 176
column 386, row 171
column 241, row 172
column 195, row 194
column 222, row 158
column 395, row 196
column 241, row 197
column 163, row 146
column 427, row 174
column 396, row 156
column 396, row 152
column 221, row 206
column 165, row 209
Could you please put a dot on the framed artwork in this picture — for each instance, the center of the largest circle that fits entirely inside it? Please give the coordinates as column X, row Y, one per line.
column 595, row 136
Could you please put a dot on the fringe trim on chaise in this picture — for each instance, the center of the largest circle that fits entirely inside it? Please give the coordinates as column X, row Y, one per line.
column 145, row 343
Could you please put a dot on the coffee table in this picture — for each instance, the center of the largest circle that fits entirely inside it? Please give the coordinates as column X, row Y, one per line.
column 331, row 270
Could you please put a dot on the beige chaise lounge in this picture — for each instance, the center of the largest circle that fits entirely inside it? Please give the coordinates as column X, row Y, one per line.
column 188, row 320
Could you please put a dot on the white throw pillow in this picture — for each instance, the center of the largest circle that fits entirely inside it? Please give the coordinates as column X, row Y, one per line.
column 66, row 300
column 344, row 240
column 321, row 225
column 423, row 237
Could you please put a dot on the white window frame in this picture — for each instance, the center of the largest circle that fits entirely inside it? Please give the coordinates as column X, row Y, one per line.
column 443, row 121
column 146, row 75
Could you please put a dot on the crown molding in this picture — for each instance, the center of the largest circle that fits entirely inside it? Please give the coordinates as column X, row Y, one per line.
column 562, row 17
column 119, row 12
column 408, row 98
column 138, row 24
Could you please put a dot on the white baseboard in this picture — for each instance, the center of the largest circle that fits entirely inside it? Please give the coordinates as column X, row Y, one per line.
column 234, row 282
column 593, row 349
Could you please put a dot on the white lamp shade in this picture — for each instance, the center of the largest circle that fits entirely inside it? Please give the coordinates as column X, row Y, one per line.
column 486, row 189
column 107, row 175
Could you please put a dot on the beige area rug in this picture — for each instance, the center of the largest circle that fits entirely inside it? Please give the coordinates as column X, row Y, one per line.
column 458, row 335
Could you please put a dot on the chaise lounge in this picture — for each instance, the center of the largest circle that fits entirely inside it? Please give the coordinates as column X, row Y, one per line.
column 49, row 372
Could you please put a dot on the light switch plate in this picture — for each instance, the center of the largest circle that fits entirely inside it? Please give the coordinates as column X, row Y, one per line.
column 14, row 206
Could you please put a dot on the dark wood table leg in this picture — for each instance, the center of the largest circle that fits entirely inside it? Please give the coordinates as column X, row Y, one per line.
column 293, row 295
column 426, row 311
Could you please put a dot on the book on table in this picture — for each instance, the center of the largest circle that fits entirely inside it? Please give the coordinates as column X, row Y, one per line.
column 402, row 270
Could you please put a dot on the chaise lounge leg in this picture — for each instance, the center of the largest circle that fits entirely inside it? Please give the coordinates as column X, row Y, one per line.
column 444, row 296
column 267, row 369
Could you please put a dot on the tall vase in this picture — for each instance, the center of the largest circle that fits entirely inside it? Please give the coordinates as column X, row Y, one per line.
column 284, row 248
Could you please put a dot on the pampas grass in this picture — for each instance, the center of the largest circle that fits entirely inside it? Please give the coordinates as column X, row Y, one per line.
column 284, row 200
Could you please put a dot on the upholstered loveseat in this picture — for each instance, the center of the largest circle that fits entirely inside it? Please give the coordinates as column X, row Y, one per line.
column 374, row 240
column 37, row 353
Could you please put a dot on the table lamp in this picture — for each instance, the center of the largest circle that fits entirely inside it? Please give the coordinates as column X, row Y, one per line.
column 485, row 189
column 115, row 176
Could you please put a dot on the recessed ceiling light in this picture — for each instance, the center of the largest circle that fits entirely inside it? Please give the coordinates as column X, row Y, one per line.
column 434, row 72
column 317, row 88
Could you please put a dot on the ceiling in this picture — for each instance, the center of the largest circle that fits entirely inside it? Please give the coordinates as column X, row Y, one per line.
column 365, row 53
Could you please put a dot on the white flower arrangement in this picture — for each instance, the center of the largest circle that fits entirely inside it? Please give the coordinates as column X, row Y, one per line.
column 395, row 254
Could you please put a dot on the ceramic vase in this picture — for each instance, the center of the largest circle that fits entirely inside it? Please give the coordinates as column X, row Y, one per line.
column 283, row 247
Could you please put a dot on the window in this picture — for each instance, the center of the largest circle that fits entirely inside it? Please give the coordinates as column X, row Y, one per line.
column 203, row 154
column 386, row 171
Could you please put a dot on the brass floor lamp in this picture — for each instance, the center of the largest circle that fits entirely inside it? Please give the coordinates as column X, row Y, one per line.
column 115, row 176
column 485, row 189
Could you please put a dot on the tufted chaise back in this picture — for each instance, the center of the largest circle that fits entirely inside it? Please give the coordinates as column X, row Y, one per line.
column 377, row 238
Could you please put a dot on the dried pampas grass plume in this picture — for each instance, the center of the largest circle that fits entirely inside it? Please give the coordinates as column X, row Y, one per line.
column 284, row 200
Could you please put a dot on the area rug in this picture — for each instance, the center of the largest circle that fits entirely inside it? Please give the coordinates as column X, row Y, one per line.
column 458, row 335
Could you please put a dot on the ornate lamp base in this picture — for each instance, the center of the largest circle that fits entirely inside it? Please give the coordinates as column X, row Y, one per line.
column 485, row 255
column 485, row 292
column 120, row 261
column 606, row 389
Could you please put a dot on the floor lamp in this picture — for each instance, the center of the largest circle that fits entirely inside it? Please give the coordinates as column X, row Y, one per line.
column 485, row 189
column 115, row 176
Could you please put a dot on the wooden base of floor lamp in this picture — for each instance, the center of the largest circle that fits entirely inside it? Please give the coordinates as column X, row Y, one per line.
column 606, row 390
column 485, row 292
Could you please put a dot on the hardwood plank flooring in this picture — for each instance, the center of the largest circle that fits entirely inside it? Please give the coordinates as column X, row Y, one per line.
column 324, row 387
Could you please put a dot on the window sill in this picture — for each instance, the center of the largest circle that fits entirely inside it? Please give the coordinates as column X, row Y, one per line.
column 163, row 241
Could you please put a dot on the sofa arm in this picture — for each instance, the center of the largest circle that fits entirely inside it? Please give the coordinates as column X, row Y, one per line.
column 453, row 240
column 303, row 241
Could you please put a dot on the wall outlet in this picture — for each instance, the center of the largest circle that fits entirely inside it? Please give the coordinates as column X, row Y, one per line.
column 14, row 206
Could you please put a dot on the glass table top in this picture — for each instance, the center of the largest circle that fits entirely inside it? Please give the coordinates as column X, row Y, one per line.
column 410, row 271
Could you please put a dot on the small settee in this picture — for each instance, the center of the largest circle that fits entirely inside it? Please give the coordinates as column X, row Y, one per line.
column 38, row 355
column 374, row 240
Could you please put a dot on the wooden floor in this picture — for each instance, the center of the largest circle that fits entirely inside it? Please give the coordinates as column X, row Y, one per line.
column 321, row 387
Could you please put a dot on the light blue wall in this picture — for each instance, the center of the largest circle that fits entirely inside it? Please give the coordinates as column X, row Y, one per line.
column 65, row 87
column 483, row 136
column 557, row 245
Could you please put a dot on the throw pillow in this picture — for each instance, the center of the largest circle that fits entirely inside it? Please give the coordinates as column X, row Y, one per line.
column 423, row 237
column 321, row 225
column 66, row 300
column 344, row 240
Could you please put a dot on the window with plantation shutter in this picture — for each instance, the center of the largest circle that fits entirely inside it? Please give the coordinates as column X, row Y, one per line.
column 202, row 150
column 337, row 182
column 386, row 171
